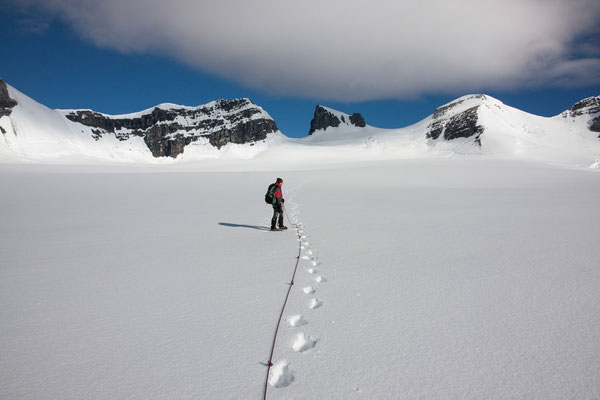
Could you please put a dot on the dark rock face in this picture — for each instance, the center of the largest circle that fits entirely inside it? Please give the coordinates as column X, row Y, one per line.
column 357, row 120
column 167, row 132
column 461, row 125
column 243, row 133
column 589, row 106
column 595, row 125
column 324, row 119
column 6, row 103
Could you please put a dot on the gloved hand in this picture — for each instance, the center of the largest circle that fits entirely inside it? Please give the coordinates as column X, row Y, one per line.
column 283, row 200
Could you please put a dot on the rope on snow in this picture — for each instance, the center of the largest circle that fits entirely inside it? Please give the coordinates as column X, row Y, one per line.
column 270, row 363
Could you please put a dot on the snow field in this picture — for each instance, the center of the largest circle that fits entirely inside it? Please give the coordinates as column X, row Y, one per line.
column 118, row 285
column 455, row 278
column 302, row 342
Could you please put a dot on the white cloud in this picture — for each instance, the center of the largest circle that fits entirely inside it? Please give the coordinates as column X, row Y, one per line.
column 353, row 50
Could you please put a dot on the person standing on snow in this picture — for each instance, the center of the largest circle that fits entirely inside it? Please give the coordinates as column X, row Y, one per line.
column 275, row 189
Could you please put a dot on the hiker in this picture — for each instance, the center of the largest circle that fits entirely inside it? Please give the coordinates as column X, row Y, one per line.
column 277, row 202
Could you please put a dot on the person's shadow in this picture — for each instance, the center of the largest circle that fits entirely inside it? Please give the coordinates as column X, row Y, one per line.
column 260, row 228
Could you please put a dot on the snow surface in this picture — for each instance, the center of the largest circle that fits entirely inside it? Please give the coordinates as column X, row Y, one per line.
column 461, row 277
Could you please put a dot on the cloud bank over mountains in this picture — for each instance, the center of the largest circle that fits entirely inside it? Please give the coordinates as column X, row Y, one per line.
column 355, row 50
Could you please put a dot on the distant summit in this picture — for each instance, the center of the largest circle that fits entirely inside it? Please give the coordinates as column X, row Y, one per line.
column 454, row 120
column 328, row 118
column 168, row 128
column 473, row 116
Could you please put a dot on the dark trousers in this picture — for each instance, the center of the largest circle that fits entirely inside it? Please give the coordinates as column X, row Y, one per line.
column 277, row 216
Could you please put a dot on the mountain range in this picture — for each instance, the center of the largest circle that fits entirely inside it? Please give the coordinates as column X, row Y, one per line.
column 472, row 124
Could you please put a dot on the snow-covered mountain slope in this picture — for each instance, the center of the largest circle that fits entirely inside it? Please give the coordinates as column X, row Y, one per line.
column 239, row 130
column 480, row 124
column 31, row 131
column 503, row 130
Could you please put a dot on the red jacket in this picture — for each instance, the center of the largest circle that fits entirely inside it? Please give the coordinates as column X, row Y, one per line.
column 277, row 194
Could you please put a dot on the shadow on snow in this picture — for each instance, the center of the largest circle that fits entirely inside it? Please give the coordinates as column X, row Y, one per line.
column 260, row 228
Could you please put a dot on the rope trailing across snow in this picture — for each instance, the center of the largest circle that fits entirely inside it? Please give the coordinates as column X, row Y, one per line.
column 270, row 363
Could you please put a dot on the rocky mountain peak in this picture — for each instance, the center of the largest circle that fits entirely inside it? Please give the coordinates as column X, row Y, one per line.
column 168, row 128
column 588, row 106
column 458, row 119
column 328, row 118
column 450, row 107
column 229, row 105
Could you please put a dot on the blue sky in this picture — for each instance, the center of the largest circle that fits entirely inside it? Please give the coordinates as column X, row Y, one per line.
column 48, row 56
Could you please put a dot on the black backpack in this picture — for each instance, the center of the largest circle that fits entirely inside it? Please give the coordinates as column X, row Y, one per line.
column 269, row 196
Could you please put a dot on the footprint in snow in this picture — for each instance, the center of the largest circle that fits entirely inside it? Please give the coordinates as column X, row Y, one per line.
column 296, row 320
column 311, row 271
column 281, row 374
column 315, row 303
column 303, row 342
column 320, row 279
column 309, row 290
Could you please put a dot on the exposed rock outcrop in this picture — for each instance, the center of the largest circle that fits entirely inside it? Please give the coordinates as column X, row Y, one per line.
column 168, row 129
column 322, row 120
column 6, row 103
column 452, row 125
column 357, row 120
column 326, row 118
column 595, row 125
column 587, row 107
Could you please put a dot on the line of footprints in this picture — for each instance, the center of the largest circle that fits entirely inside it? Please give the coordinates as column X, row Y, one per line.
column 281, row 373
